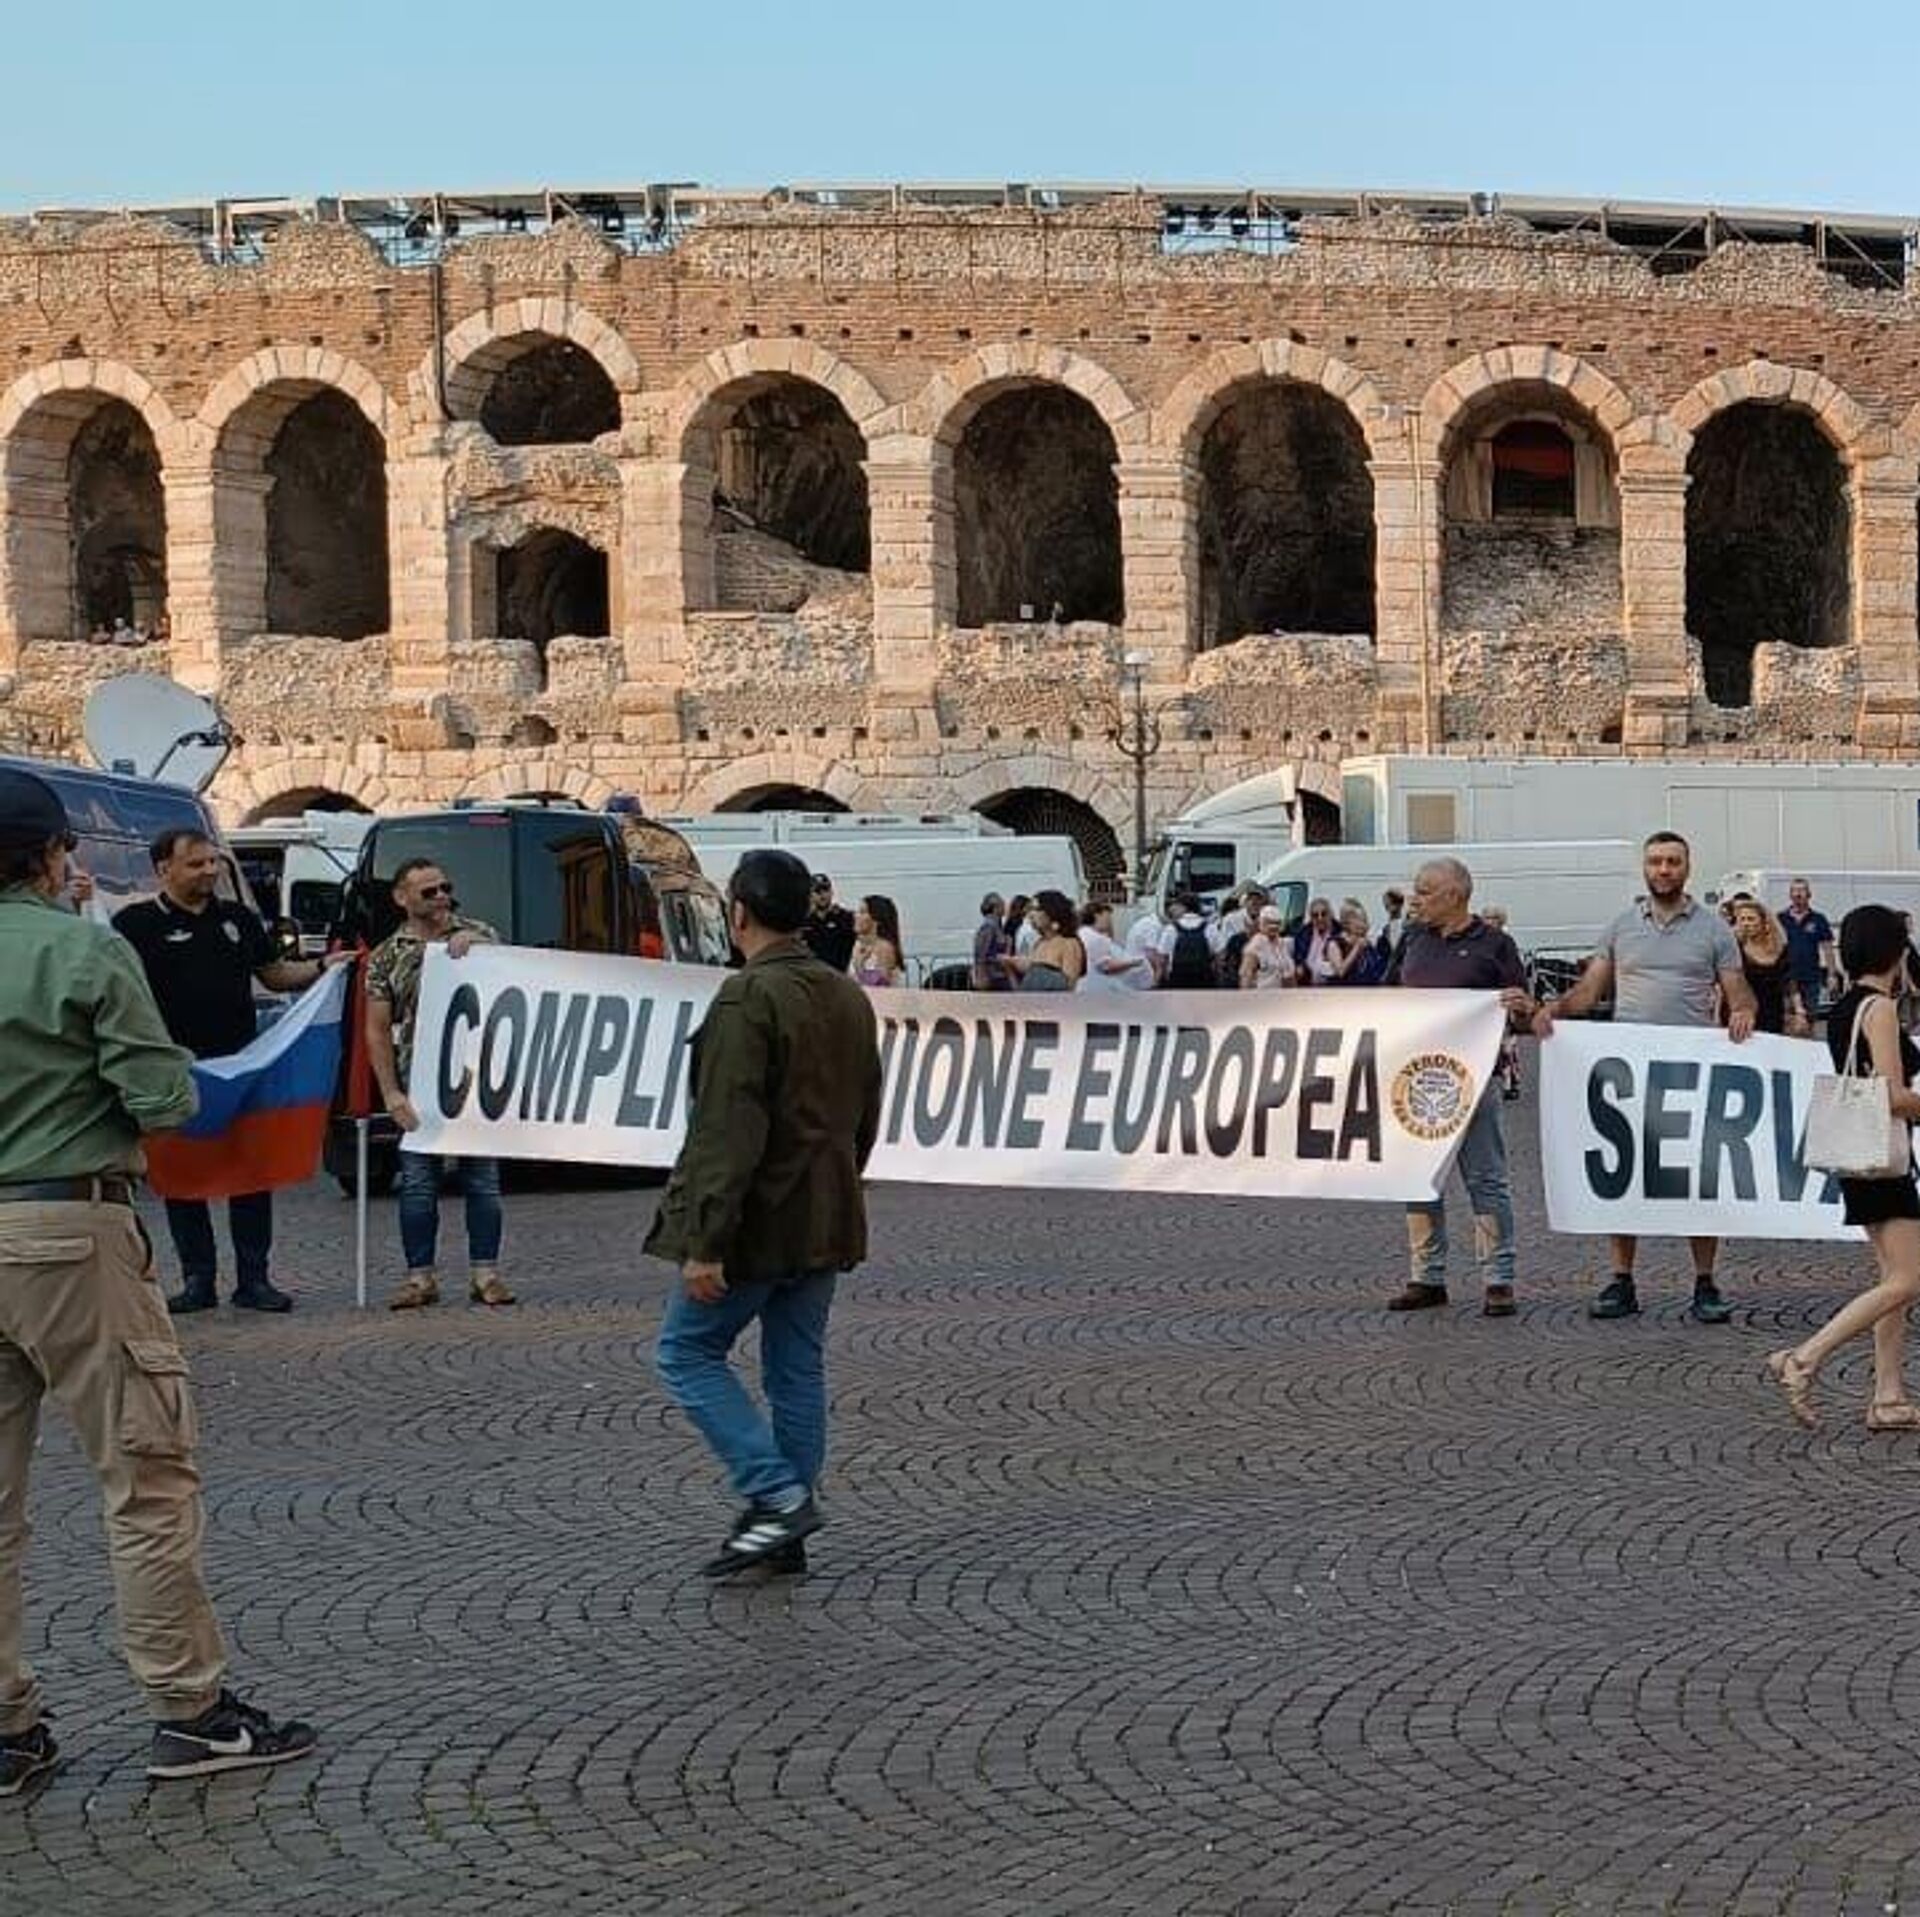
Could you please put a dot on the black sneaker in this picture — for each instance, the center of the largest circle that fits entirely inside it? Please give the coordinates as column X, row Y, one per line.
column 197, row 1294
column 790, row 1561
column 228, row 1736
column 264, row 1295
column 1618, row 1300
column 1708, row 1307
column 760, row 1535
column 24, row 1756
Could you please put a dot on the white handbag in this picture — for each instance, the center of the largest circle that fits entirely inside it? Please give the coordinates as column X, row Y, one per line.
column 1851, row 1129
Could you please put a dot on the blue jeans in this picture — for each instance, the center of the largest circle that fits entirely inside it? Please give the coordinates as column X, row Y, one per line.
column 1482, row 1165
column 249, row 1223
column 420, row 1208
column 767, row 1460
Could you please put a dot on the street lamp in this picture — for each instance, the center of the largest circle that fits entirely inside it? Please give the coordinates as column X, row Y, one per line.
column 1136, row 731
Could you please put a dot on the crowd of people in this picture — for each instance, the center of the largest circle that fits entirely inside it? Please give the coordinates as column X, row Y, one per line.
column 765, row 1205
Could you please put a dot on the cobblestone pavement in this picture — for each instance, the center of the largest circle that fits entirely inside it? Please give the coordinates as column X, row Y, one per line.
column 1166, row 1573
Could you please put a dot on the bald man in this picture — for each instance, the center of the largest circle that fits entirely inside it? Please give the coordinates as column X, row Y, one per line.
column 1448, row 948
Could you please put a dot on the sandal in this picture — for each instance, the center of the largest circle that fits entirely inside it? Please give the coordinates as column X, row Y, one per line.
column 1897, row 1414
column 1797, row 1382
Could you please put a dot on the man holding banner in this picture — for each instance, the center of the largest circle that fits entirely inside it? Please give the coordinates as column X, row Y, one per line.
column 1448, row 946
column 1666, row 960
column 202, row 954
column 765, row 1208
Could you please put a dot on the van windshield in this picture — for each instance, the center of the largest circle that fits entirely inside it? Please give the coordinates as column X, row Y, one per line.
column 474, row 854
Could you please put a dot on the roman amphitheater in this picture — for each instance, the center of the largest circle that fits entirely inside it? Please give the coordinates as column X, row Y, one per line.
column 867, row 497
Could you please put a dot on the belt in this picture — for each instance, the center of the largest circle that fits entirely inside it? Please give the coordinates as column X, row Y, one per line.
column 80, row 1191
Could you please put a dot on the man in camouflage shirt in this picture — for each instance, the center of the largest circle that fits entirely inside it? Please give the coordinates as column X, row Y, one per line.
column 422, row 891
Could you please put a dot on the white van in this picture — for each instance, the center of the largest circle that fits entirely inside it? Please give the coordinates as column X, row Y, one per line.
column 1557, row 896
column 935, row 868
column 1834, row 893
column 298, row 868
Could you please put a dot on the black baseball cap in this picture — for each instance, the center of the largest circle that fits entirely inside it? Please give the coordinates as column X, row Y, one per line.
column 821, row 883
column 30, row 810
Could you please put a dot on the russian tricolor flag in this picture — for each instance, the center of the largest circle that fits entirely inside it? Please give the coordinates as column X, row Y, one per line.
column 263, row 1112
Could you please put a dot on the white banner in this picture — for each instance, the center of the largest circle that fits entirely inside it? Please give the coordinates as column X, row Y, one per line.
column 1323, row 1093
column 1668, row 1131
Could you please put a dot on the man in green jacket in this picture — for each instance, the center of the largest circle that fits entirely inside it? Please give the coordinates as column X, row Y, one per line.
column 765, row 1208
column 89, row 1068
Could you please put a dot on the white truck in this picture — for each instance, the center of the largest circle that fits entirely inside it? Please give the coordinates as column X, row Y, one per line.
column 1834, row 893
column 1735, row 814
column 936, row 867
column 298, row 868
column 1833, row 817
column 1557, row 895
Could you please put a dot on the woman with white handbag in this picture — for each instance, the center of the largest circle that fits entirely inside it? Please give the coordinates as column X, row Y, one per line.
column 1860, row 1127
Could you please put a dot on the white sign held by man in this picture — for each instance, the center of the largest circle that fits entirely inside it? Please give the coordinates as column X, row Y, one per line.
column 1323, row 1094
column 1663, row 1131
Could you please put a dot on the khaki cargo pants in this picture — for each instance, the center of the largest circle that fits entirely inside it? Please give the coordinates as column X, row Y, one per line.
column 81, row 1317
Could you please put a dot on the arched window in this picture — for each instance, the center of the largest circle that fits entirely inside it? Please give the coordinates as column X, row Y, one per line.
column 1285, row 516
column 1768, row 537
column 548, row 392
column 1037, row 510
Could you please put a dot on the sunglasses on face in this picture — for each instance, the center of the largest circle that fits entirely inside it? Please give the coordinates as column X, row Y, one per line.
column 436, row 892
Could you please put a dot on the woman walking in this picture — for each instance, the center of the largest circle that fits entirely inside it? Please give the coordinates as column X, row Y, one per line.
column 1864, row 1035
column 1057, row 960
column 877, row 955
column 1769, row 968
column 1110, row 966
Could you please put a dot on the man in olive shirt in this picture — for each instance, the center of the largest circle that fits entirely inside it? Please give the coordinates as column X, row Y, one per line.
column 765, row 1207
column 89, row 1068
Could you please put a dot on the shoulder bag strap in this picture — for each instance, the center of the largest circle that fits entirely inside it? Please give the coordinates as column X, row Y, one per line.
column 1851, row 1068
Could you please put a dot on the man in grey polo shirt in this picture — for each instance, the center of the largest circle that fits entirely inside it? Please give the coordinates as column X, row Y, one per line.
column 1666, row 960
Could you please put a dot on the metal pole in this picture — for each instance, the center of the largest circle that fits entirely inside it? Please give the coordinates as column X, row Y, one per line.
column 361, row 1127
column 1139, row 780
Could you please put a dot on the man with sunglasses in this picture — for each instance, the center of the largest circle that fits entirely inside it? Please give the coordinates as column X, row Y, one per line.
column 90, row 1068
column 423, row 893
column 202, row 954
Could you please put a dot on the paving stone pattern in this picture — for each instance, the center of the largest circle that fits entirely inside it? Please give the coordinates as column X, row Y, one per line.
column 1166, row 1573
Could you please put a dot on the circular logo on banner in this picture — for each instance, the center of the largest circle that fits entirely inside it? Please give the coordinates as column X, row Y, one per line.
column 1432, row 1095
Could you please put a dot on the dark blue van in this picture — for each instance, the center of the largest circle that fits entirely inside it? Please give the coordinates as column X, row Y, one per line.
column 115, row 818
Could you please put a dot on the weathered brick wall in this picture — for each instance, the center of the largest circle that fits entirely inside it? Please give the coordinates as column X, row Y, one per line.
column 862, row 685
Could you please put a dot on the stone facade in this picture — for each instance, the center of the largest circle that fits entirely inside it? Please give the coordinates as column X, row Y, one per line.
column 779, row 370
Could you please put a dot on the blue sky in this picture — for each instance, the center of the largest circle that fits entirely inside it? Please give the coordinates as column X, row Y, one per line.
column 1761, row 103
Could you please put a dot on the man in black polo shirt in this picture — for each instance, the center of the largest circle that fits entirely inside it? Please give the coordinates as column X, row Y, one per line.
column 1448, row 947
column 202, row 954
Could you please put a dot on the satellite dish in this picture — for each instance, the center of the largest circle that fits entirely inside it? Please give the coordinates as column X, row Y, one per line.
column 142, row 724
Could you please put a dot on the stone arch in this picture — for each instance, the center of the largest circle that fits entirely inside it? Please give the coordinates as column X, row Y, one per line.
column 287, row 367
column 773, row 477
column 759, row 770
column 477, row 348
column 545, row 775
column 780, row 797
column 299, row 438
column 1840, row 417
column 1769, row 539
column 1284, row 525
column 550, row 583
column 293, row 802
column 1464, row 390
column 749, row 360
column 255, row 775
column 83, row 446
column 1181, row 420
column 943, row 407
column 1528, row 559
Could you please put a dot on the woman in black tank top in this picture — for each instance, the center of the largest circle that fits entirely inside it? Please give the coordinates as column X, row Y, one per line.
column 1873, row 946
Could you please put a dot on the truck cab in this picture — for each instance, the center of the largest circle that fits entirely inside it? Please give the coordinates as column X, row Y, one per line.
column 1216, row 846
